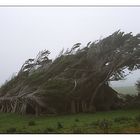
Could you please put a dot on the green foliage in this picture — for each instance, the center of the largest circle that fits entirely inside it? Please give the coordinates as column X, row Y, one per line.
column 57, row 93
column 59, row 125
column 35, row 79
column 10, row 84
column 105, row 125
column 75, row 74
column 76, row 120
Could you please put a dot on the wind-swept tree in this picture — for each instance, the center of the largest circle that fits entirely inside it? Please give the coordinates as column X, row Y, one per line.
column 77, row 80
column 109, row 57
column 103, row 61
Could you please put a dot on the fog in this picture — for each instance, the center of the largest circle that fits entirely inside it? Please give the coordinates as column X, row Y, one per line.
column 24, row 31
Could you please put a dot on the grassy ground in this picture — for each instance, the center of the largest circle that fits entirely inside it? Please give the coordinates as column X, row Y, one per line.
column 120, row 121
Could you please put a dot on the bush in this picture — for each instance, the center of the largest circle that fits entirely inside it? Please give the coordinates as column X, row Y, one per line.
column 59, row 125
column 76, row 120
column 31, row 123
column 105, row 125
column 11, row 130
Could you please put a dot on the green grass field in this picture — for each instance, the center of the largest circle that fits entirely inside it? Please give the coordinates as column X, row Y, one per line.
column 121, row 121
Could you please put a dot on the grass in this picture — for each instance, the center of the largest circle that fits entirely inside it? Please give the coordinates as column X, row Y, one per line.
column 121, row 121
column 31, row 123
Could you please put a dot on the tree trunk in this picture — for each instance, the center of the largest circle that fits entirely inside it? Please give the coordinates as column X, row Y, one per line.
column 66, row 107
column 37, row 110
column 99, row 85
column 95, row 92
column 78, row 107
column 84, row 106
column 73, row 107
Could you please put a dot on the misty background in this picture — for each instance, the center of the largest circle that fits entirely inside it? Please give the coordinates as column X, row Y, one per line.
column 24, row 31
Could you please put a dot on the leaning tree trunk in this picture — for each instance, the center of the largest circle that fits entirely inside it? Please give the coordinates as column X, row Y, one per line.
column 91, row 103
column 20, row 103
column 101, row 82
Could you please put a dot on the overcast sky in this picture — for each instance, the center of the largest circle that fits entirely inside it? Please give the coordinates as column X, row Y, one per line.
column 26, row 31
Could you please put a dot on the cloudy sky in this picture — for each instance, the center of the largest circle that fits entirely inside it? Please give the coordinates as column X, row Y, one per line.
column 24, row 31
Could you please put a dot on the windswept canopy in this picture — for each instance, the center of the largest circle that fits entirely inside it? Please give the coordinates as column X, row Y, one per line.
column 75, row 79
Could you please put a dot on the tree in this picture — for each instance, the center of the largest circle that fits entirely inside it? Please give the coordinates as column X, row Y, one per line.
column 77, row 78
column 106, row 60
column 109, row 57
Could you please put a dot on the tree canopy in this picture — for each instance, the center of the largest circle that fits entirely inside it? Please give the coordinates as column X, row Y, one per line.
column 75, row 80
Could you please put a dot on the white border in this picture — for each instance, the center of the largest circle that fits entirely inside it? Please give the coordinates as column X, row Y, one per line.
column 69, row 2
column 70, row 137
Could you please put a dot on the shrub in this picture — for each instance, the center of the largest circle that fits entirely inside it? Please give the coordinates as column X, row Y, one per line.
column 11, row 130
column 76, row 120
column 59, row 125
column 31, row 123
column 105, row 125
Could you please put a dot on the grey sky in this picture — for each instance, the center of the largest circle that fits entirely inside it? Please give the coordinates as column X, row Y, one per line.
column 26, row 31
